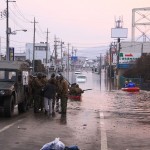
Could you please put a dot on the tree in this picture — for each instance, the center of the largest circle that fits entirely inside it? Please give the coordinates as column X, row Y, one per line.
column 141, row 69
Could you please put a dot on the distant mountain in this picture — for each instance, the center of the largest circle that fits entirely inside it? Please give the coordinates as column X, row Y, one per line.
column 92, row 53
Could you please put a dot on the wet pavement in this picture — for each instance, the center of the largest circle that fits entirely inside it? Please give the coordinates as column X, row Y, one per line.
column 104, row 120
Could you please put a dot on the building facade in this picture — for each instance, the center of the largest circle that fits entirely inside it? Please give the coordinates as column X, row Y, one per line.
column 41, row 53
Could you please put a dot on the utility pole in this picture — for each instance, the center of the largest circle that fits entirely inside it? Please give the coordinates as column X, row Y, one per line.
column 7, row 36
column 55, row 49
column 100, row 61
column 47, row 47
column 47, row 50
column 72, row 51
column 68, row 61
column 33, row 61
column 7, row 30
column 110, row 65
column 61, row 46
column 75, row 52
column 0, row 50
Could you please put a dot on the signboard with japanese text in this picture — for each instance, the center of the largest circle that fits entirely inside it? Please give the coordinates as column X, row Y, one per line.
column 128, row 58
column 25, row 75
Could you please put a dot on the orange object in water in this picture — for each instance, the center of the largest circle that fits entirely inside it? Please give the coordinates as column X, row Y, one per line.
column 131, row 89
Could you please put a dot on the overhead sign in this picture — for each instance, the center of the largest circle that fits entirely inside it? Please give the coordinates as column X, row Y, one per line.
column 25, row 75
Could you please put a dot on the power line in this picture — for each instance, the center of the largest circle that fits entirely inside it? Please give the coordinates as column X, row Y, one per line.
column 15, row 21
column 20, row 13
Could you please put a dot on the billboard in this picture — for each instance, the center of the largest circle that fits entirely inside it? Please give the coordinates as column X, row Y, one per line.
column 119, row 32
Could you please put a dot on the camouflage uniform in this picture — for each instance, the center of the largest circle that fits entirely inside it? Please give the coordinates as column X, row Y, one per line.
column 72, row 89
column 63, row 87
column 58, row 93
column 78, row 90
column 44, row 82
column 30, row 91
column 37, row 84
column 53, row 80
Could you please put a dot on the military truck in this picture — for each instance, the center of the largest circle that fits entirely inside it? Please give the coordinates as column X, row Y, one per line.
column 13, row 86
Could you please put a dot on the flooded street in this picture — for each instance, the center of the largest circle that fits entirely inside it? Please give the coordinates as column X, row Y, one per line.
column 104, row 120
column 124, row 115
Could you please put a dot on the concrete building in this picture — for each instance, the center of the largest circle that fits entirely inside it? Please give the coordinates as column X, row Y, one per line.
column 129, row 53
column 41, row 53
column 20, row 56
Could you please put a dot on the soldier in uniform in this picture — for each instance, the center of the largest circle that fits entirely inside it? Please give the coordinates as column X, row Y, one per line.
column 38, row 85
column 44, row 82
column 58, row 93
column 72, row 89
column 78, row 90
column 30, row 91
column 54, row 81
column 63, row 87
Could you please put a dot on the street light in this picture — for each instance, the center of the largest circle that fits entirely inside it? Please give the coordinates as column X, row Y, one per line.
column 8, row 34
column 15, row 31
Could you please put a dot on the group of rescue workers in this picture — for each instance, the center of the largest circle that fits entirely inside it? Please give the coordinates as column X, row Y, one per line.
column 50, row 95
column 129, row 84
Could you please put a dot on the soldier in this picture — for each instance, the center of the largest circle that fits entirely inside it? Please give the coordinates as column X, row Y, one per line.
column 58, row 93
column 49, row 95
column 44, row 79
column 38, row 85
column 63, row 87
column 44, row 82
column 30, row 91
column 78, row 90
column 53, row 80
column 72, row 90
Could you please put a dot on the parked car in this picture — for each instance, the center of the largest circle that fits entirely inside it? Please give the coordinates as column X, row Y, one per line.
column 81, row 78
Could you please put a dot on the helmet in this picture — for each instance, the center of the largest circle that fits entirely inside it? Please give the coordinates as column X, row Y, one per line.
column 61, row 77
column 39, row 75
column 53, row 75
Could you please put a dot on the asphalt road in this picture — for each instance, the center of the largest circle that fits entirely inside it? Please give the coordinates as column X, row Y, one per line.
column 103, row 120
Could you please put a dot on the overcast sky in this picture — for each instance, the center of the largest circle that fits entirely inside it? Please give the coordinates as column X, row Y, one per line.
column 85, row 24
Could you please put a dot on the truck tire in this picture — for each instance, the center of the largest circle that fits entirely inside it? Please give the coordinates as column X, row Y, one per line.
column 9, row 106
column 23, row 106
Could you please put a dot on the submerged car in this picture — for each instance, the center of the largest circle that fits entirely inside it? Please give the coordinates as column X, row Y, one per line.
column 81, row 78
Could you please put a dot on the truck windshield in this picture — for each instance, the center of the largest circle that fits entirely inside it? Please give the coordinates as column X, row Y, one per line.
column 7, row 75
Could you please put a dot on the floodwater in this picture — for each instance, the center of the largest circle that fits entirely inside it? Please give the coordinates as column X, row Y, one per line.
column 126, row 114
column 105, row 98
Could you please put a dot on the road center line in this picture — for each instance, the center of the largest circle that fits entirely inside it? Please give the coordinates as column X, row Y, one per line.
column 103, row 132
column 10, row 125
